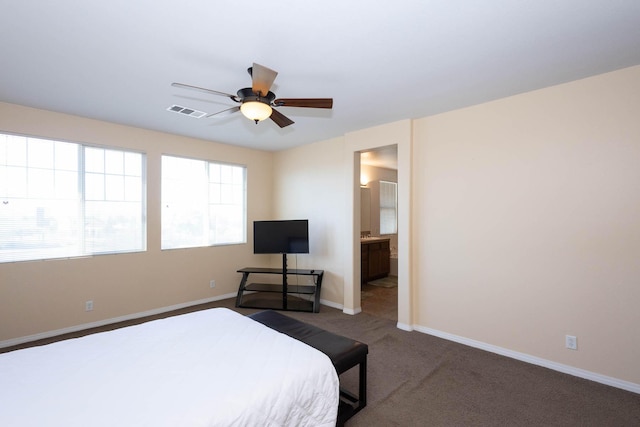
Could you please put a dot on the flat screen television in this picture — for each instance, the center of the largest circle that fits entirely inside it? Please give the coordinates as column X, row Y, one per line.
column 281, row 237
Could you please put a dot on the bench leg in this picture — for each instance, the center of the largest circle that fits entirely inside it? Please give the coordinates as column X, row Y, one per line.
column 351, row 404
column 362, row 393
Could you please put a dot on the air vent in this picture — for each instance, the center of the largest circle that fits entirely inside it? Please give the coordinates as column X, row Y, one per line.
column 186, row 111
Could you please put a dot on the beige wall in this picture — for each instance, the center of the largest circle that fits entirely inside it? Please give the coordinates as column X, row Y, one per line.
column 528, row 223
column 309, row 185
column 42, row 296
column 522, row 225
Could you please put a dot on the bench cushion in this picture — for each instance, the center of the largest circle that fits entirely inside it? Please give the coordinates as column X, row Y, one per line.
column 345, row 353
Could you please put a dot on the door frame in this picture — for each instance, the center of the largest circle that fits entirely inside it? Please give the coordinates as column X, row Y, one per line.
column 400, row 134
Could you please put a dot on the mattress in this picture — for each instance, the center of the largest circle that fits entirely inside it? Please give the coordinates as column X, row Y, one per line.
column 209, row 368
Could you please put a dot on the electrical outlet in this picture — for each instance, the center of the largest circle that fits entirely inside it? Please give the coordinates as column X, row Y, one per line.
column 571, row 342
column 88, row 305
column 212, row 284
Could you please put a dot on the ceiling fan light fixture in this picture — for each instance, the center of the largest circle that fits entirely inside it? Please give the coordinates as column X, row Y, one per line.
column 256, row 110
column 256, row 102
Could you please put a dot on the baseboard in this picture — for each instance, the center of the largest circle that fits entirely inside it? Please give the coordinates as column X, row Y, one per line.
column 566, row 369
column 352, row 311
column 54, row 333
column 331, row 304
column 404, row 327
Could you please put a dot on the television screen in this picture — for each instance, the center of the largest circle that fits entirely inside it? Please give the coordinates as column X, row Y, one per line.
column 281, row 237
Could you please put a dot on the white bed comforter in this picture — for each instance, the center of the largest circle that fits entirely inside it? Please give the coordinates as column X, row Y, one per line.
column 208, row 368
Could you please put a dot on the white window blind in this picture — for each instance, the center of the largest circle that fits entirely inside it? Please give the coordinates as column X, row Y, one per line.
column 388, row 207
column 61, row 199
column 203, row 203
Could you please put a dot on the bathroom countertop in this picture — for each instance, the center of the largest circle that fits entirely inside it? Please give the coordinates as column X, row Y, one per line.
column 373, row 239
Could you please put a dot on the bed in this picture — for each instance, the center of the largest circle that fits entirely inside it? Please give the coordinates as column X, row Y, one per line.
column 209, row 368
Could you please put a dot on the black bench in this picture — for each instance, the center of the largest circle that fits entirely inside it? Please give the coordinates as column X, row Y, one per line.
column 344, row 353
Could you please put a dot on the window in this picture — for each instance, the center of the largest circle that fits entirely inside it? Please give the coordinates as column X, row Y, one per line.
column 203, row 203
column 61, row 199
column 388, row 207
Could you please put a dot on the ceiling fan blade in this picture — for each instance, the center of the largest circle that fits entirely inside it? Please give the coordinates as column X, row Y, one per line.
column 280, row 119
column 202, row 89
column 262, row 77
column 304, row 102
column 224, row 112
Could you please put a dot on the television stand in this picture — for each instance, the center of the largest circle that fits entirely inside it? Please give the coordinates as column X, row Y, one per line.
column 260, row 291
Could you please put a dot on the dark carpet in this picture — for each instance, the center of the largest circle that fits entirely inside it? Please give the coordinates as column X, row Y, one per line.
column 416, row 379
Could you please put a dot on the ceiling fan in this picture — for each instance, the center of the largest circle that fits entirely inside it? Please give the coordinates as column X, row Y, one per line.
column 257, row 102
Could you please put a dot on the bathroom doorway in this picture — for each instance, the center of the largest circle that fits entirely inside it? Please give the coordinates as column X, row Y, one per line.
column 378, row 231
column 399, row 134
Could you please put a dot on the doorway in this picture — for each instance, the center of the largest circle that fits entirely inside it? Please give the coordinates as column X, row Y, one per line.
column 398, row 134
column 378, row 230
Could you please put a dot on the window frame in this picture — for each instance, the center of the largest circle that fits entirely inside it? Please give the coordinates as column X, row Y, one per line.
column 79, row 232
column 384, row 208
column 206, row 210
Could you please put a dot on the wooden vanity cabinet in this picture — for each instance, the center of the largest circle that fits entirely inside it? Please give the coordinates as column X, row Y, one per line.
column 375, row 259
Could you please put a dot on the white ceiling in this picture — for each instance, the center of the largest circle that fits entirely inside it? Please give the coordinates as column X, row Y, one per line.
column 381, row 61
